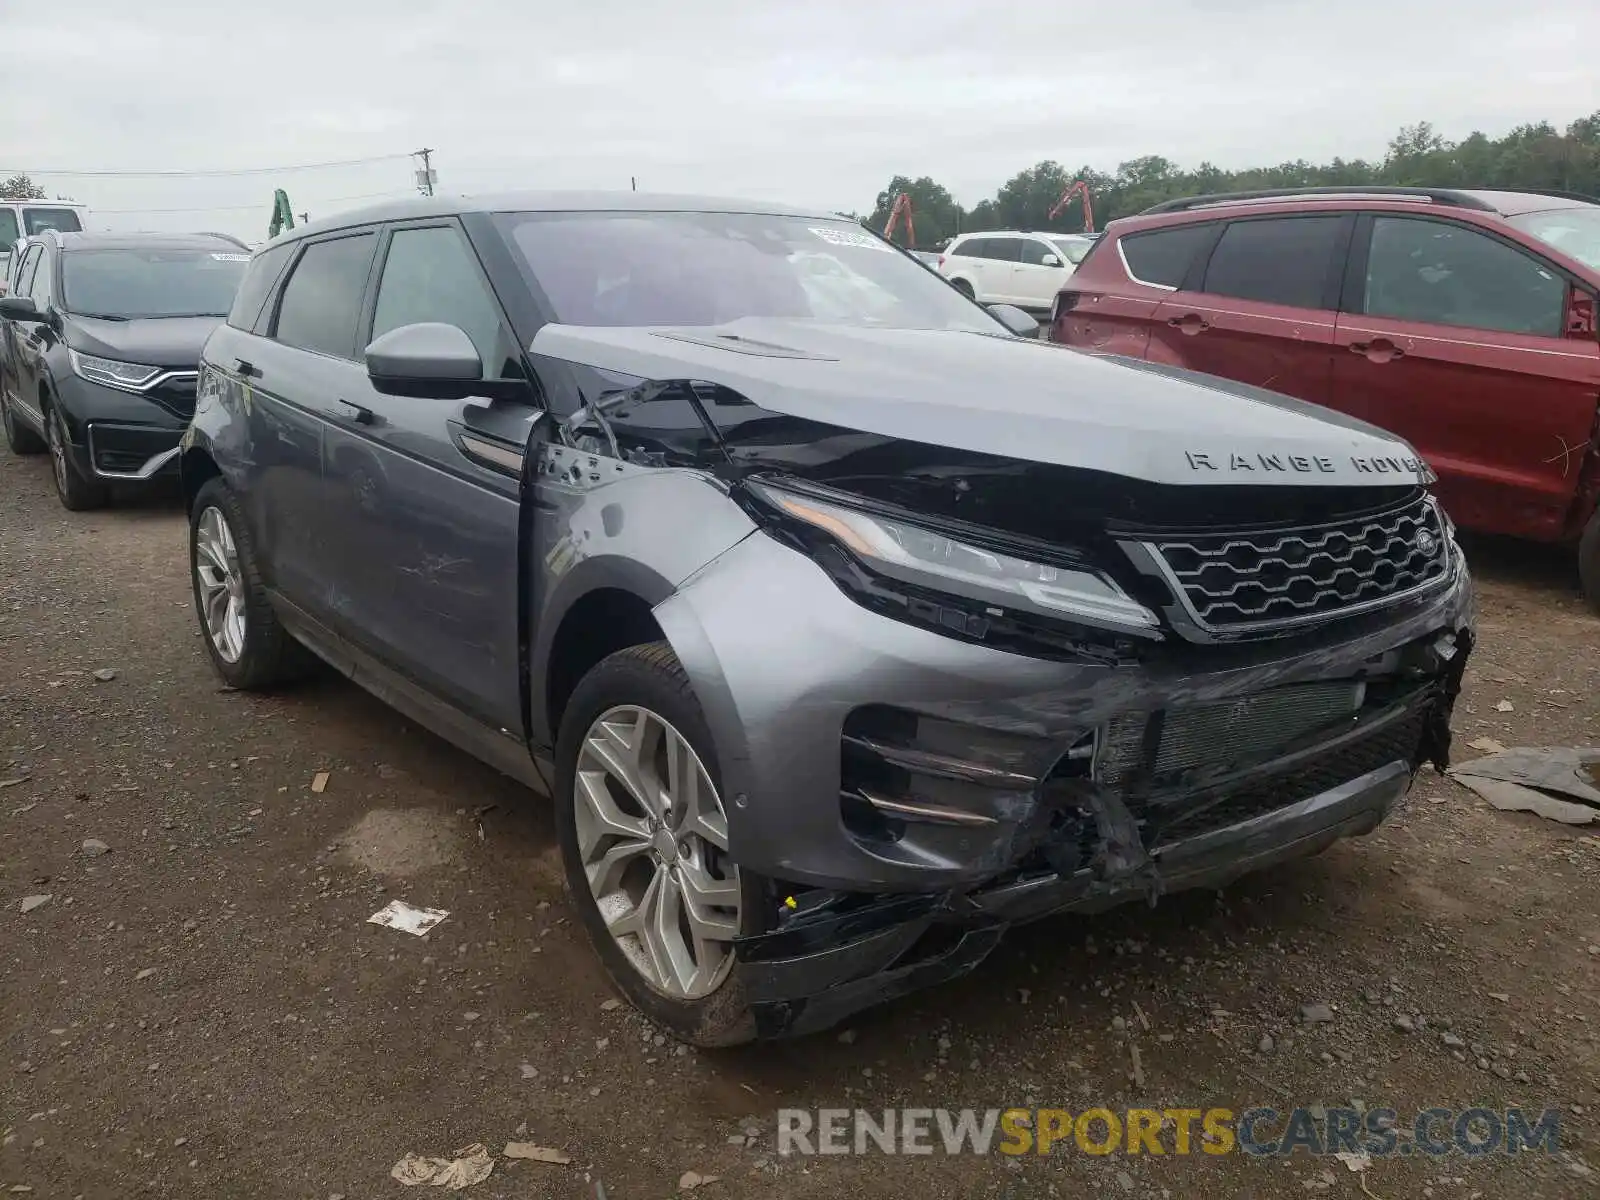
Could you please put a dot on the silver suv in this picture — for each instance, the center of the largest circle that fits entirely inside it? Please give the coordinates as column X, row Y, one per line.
column 846, row 626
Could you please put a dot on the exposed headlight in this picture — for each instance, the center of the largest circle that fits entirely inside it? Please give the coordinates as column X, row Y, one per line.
column 933, row 560
column 129, row 376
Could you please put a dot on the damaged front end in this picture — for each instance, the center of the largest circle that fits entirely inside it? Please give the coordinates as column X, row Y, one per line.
column 954, row 689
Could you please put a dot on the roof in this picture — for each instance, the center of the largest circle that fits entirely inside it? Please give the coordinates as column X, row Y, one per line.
column 74, row 241
column 451, row 206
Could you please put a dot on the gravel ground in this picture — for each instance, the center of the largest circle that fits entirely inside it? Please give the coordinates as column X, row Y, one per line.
column 202, row 1009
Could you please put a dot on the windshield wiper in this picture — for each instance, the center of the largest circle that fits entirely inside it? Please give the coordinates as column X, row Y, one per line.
column 101, row 316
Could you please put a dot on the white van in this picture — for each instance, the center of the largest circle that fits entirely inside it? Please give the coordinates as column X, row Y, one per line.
column 24, row 218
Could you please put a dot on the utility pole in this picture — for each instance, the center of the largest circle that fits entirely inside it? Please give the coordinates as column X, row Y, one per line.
column 425, row 177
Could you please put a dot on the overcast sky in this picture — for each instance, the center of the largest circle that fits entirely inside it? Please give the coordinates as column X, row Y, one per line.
column 815, row 102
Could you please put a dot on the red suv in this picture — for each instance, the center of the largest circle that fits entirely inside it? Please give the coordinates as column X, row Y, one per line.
column 1465, row 321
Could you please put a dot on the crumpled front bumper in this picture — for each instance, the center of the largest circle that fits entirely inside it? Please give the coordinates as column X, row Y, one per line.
column 813, row 974
column 785, row 666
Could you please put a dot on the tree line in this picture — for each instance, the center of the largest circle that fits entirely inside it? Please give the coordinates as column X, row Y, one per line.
column 1534, row 156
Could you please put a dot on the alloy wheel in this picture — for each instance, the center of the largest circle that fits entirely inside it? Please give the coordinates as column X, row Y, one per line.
column 653, row 839
column 58, row 452
column 220, row 583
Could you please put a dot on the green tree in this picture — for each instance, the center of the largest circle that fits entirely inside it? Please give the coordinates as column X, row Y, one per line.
column 933, row 209
column 20, row 187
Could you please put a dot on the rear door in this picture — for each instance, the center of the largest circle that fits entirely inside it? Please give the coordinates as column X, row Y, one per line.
column 428, row 491
column 1456, row 339
column 1261, row 308
column 1114, row 294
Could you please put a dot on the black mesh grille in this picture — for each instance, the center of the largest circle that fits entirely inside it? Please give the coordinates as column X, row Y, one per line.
column 1195, row 815
column 176, row 395
column 1264, row 578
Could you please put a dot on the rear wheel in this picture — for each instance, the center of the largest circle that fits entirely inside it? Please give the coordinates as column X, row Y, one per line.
column 1589, row 561
column 644, row 841
column 248, row 646
column 962, row 286
column 76, row 492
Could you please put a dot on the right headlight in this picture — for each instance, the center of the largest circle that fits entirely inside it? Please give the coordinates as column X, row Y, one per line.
column 997, row 581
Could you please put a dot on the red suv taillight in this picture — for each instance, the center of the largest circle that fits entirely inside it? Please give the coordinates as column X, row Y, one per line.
column 1064, row 302
column 941, row 260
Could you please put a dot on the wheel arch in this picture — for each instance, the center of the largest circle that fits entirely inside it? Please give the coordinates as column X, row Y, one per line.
column 196, row 468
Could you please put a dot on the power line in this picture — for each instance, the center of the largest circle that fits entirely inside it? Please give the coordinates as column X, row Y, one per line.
column 235, row 171
column 211, row 208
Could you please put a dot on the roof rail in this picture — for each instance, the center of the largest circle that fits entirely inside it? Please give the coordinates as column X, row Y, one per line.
column 227, row 237
column 1449, row 196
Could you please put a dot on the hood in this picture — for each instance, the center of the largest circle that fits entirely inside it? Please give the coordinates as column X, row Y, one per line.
column 1012, row 397
column 154, row 341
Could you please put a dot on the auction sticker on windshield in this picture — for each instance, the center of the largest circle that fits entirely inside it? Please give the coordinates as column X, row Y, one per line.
column 231, row 257
column 850, row 237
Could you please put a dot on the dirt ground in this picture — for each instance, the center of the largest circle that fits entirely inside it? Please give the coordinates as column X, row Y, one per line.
column 203, row 1010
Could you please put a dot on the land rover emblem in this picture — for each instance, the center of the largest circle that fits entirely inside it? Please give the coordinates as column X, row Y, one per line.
column 1427, row 542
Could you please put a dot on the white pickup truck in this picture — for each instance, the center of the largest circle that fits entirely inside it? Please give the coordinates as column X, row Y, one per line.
column 24, row 218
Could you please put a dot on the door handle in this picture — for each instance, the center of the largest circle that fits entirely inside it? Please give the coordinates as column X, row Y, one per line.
column 360, row 414
column 1189, row 323
column 246, row 368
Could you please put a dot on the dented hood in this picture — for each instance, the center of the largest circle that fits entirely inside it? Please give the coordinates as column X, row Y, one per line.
column 1014, row 397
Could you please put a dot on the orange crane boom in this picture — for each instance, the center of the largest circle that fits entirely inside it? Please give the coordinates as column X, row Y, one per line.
column 1078, row 188
column 898, row 211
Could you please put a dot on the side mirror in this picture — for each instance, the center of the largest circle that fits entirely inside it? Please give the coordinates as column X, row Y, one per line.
column 1014, row 319
column 1051, row 260
column 430, row 360
column 20, row 308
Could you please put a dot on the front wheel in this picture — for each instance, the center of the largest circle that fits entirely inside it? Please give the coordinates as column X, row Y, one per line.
column 644, row 841
column 76, row 493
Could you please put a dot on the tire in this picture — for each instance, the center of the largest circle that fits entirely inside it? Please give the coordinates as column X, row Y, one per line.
column 76, row 493
column 965, row 288
column 1589, row 562
column 709, row 1009
column 19, row 438
column 250, row 649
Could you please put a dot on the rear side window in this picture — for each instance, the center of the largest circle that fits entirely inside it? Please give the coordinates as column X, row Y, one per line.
column 1163, row 256
column 1283, row 261
column 321, row 303
column 8, row 227
column 257, row 286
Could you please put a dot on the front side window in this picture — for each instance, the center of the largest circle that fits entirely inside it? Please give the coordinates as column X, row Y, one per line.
column 700, row 269
column 321, row 303
column 37, row 220
column 1573, row 231
column 431, row 274
column 1284, row 261
column 1441, row 273
column 1033, row 252
column 132, row 284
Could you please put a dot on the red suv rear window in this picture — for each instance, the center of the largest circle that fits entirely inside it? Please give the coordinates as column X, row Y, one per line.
column 1163, row 256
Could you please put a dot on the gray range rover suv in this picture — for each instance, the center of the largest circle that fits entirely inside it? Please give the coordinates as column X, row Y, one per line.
column 846, row 626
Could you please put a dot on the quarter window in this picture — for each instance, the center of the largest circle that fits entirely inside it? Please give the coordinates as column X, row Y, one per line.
column 431, row 275
column 257, row 286
column 1442, row 273
column 1163, row 256
column 1285, row 261
column 321, row 303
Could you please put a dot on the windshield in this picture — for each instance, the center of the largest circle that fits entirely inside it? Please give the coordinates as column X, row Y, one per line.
column 700, row 269
column 151, row 283
column 1071, row 249
column 1573, row 231
column 39, row 219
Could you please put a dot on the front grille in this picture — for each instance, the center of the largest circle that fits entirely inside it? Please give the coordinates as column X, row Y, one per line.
column 1145, row 750
column 1195, row 815
column 176, row 394
column 1257, row 580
